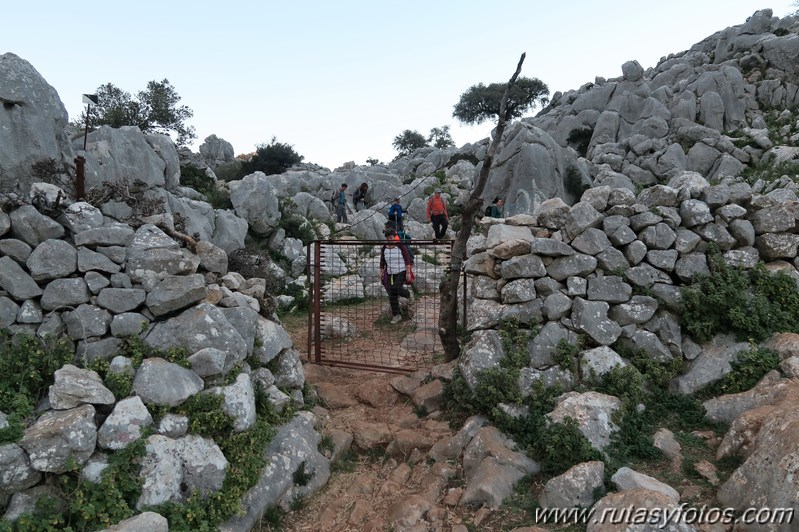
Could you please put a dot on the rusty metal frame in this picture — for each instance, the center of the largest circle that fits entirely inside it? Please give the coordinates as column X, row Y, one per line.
column 316, row 282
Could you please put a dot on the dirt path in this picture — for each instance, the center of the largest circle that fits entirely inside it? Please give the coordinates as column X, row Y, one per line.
column 371, row 488
column 384, row 426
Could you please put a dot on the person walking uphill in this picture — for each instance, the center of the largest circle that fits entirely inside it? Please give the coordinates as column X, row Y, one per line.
column 359, row 197
column 395, row 214
column 339, row 200
column 395, row 263
column 437, row 214
column 495, row 209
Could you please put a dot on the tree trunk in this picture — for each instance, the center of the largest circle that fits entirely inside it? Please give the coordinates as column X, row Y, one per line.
column 448, row 315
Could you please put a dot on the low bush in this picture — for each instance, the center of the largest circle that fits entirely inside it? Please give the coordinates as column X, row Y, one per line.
column 753, row 305
column 27, row 365
column 751, row 366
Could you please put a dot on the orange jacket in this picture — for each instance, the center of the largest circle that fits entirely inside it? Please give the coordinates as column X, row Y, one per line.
column 436, row 205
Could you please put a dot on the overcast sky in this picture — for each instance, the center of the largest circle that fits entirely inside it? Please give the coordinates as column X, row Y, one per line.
column 339, row 80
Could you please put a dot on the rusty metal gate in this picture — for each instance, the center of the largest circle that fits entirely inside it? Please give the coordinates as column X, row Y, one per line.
column 349, row 316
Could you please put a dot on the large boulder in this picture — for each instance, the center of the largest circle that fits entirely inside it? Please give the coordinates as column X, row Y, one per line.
column 254, row 198
column 124, row 154
column 531, row 167
column 32, row 123
column 216, row 151
column 767, row 478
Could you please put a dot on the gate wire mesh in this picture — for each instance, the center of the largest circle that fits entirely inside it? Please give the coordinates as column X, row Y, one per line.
column 349, row 312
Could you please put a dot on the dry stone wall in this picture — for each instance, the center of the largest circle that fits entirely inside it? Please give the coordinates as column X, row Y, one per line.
column 611, row 266
column 82, row 274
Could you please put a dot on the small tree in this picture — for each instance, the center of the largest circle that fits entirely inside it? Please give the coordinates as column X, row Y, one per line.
column 440, row 138
column 408, row 141
column 154, row 109
column 273, row 158
column 448, row 313
column 480, row 103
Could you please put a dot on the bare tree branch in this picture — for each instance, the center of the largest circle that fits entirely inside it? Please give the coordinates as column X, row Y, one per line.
column 448, row 315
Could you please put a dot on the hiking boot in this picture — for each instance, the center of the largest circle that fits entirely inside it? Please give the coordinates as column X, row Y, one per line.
column 396, row 319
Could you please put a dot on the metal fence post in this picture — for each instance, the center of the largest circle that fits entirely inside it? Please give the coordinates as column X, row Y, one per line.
column 317, row 304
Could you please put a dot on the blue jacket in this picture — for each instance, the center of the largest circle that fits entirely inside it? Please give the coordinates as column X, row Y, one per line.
column 395, row 212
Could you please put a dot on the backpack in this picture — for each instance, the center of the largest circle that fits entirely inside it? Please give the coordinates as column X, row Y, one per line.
column 488, row 210
column 405, row 238
column 334, row 198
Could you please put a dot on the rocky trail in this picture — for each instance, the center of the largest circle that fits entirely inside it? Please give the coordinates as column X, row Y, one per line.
column 383, row 431
column 396, row 462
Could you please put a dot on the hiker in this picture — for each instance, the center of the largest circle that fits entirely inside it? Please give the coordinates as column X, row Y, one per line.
column 395, row 264
column 339, row 201
column 437, row 214
column 395, row 214
column 495, row 209
column 359, row 197
column 402, row 236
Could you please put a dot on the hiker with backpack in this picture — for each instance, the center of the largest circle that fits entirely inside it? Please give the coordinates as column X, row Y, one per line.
column 437, row 214
column 339, row 201
column 359, row 197
column 495, row 209
column 395, row 214
column 402, row 236
column 396, row 270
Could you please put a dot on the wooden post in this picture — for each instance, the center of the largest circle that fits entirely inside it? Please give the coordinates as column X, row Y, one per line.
column 80, row 177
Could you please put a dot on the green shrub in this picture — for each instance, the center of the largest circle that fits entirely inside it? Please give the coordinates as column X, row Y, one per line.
column 228, row 171
column 301, row 477
column 299, row 294
column 197, row 179
column 27, row 365
column 562, row 445
column 567, row 356
column 273, row 158
column 514, row 341
column 206, row 416
column 120, row 384
column 193, row 177
column 219, row 198
column 295, row 226
column 752, row 305
column 556, row 446
column 768, row 171
column 751, row 366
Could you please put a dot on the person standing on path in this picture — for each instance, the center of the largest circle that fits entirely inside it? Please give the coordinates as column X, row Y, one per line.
column 395, row 214
column 341, row 204
column 437, row 214
column 394, row 264
column 359, row 197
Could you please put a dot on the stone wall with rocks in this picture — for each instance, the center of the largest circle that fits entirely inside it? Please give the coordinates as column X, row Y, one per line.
column 583, row 270
column 610, row 268
column 99, row 281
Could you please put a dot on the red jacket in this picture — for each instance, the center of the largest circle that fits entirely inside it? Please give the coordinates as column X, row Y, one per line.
column 436, row 205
